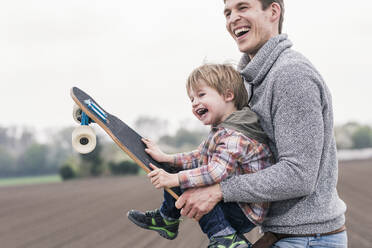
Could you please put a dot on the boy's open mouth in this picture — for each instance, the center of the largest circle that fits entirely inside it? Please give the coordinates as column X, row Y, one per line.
column 201, row 111
column 239, row 32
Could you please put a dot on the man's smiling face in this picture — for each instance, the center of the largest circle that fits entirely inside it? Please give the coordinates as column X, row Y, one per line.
column 249, row 25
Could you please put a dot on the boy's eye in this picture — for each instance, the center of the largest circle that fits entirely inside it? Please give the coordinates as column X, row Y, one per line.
column 201, row 94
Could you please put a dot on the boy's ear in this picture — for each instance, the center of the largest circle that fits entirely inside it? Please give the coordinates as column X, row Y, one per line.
column 229, row 95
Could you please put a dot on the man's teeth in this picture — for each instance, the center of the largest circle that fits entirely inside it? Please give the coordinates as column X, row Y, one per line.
column 240, row 31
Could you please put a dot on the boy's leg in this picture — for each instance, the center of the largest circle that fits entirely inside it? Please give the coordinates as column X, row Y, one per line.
column 236, row 217
column 220, row 231
column 165, row 220
column 168, row 208
column 215, row 223
column 224, row 219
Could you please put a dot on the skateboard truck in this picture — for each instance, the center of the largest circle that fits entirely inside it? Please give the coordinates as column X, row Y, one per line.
column 83, row 137
column 85, row 120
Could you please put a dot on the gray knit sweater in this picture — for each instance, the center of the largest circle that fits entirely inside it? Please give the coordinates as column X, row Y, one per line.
column 295, row 109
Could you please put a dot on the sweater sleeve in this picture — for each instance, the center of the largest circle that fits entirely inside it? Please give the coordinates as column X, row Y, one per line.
column 299, row 132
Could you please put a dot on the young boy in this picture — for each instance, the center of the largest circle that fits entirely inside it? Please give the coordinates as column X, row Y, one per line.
column 235, row 145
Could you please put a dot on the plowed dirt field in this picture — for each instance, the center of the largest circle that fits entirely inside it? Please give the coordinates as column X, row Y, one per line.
column 91, row 213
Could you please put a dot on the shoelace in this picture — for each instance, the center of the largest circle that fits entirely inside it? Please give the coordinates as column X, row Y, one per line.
column 151, row 213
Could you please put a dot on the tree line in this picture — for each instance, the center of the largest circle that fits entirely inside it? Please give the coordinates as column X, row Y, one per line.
column 21, row 152
column 353, row 135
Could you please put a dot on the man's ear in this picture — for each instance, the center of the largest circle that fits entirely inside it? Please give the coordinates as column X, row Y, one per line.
column 275, row 11
column 229, row 95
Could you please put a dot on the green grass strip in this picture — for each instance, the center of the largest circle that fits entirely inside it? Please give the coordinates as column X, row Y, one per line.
column 29, row 180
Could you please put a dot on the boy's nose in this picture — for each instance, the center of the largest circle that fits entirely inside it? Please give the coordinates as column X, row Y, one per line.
column 195, row 102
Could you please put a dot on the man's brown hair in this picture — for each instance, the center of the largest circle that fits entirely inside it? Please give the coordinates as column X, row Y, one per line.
column 221, row 77
column 267, row 3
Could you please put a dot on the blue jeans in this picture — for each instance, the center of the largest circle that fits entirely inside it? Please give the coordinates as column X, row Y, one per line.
column 222, row 216
column 338, row 240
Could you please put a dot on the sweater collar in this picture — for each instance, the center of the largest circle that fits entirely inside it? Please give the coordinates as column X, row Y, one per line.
column 246, row 122
column 255, row 70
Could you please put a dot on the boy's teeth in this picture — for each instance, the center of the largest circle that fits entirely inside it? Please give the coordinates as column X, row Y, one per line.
column 241, row 30
column 201, row 111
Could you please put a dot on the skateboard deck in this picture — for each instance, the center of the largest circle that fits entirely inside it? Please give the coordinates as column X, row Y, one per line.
column 124, row 136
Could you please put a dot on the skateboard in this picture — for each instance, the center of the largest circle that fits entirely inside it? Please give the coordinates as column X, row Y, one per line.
column 87, row 111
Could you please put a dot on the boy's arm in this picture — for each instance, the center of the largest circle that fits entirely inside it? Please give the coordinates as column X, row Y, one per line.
column 224, row 158
column 156, row 153
column 187, row 160
column 160, row 178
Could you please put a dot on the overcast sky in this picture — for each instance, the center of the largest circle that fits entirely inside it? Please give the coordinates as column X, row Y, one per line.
column 133, row 57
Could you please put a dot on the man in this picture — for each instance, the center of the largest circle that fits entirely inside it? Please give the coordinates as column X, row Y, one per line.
column 295, row 110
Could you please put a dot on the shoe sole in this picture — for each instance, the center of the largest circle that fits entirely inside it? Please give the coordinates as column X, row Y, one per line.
column 161, row 232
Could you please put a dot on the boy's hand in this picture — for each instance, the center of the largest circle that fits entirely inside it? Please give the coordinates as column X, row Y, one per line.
column 160, row 178
column 154, row 151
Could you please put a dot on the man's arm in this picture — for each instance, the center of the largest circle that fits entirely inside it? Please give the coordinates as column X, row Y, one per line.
column 299, row 137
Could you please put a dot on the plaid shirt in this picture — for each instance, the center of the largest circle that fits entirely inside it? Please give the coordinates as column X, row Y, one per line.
column 224, row 153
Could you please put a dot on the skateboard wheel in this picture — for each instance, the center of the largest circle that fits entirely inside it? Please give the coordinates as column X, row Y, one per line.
column 76, row 113
column 84, row 139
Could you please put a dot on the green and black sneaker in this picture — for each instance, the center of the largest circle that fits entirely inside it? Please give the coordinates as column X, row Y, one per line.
column 153, row 220
column 229, row 241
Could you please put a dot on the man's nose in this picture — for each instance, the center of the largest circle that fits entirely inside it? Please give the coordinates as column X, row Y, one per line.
column 234, row 16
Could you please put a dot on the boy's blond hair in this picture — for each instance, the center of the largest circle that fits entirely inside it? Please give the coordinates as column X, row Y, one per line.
column 221, row 77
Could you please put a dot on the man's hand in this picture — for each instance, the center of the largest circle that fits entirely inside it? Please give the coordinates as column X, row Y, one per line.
column 196, row 202
column 160, row 178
